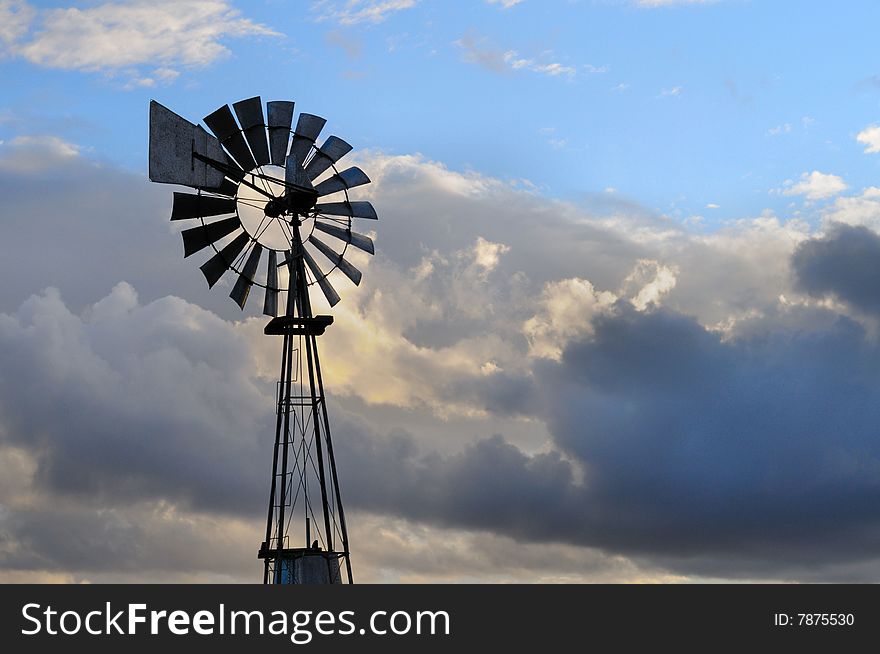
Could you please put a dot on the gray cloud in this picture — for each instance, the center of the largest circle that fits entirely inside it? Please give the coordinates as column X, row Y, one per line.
column 724, row 459
column 844, row 263
column 134, row 402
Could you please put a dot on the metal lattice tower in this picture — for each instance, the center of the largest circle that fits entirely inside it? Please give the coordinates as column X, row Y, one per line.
column 258, row 184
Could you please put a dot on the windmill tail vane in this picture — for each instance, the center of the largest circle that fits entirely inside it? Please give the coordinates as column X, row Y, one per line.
column 264, row 186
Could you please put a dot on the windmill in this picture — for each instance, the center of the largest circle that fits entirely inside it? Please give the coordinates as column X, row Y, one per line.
column 262, row 187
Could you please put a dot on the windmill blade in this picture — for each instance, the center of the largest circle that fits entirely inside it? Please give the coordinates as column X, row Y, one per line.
column 198, row 238
column 227, row 188
column 223, row 124
column 328, row 290
column 348, row 178
column 187, row 205
column 214, row 267
column 295, row 175
column 250, row 117
column 270, row 303
column 331, row 151
column 307, row 129
column 280, row 115
column 360, row 241
column 173, row 141
column 350, row 271
column 246, row 277
column 353, row 209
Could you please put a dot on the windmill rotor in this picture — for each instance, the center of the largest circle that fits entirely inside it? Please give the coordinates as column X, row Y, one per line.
column 263, row 186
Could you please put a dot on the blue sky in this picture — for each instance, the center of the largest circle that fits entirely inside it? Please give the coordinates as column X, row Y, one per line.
column 675, row 107
column 621, row 323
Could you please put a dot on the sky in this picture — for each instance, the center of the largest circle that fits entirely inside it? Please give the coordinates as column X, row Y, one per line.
column 621, row 325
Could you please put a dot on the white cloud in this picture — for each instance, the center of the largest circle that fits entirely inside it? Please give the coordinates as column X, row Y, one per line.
column 652, row 281
column 815, row 186
column 15, row 19
column 476, row 51
column 669, row 3
column 35, row 152
column 672, row 92
column 487, row 254
column 565, row 310
column 506, row 4
column 361, row 11
column 863, row 209
column 124, row 37
column 512, row 59
column 870, row 138
column 785, row 128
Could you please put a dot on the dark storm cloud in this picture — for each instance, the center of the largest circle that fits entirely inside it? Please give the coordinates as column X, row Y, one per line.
column 759, row 448
column 134, row 402
column 845, row 263
column 490, row 485
column 757, row 457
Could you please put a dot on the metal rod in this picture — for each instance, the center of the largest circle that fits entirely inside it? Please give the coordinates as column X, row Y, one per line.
column 269, row 519
column 289, row 355
column 333, row 475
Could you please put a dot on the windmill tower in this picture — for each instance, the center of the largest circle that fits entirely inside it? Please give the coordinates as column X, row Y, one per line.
column 259, row 187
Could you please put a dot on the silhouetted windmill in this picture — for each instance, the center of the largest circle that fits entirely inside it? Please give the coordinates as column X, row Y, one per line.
column 258, row 185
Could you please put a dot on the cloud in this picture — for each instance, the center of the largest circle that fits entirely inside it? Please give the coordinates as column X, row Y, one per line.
column 35, row 153
column 870, row 138
column 672, row 92
column 351, row 46
column 844, row 263
column 353, row 12
column 505, row 4
column 16, row 17
column 779, row 129
column 144, row 40
column 110, row 369
column 648, row 403
column 815, row 186
column 669, row 3
column 477, row 51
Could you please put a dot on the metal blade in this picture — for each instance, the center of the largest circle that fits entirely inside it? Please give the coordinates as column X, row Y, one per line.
column 350, row 271
column 246, row 278
column 348, row 178
column 214, row 267
column 360, row 241
column 280, row 115
column 250, row 116
column 353, row 209
column 223, row 124
column 173, row 140
column 331, row 151
column 198, row 238
column 307, row 129
column 294, row 174
column 227, row 188
column 187, row 205
column 270, row 303
column 329, row 292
